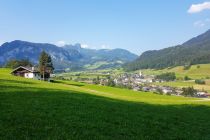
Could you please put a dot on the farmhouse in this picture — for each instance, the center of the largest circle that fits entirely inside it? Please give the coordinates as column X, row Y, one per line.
column 27, row 72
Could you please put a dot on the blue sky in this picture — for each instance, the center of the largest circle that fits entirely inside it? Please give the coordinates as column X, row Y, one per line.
column 135, row 25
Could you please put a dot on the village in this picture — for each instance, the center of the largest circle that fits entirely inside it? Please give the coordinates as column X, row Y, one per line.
column 132, row 81
column 147, row 83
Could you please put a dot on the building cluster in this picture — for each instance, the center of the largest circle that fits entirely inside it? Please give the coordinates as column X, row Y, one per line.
column 134, row 78
column 140, row 82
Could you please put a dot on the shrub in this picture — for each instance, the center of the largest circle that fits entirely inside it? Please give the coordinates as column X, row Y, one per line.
column 187, row 67
column 180, row 78
column 186, row 78
column 200, row 82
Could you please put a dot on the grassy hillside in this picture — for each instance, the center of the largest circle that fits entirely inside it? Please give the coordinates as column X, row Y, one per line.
column 201, row 71
column 33, row 109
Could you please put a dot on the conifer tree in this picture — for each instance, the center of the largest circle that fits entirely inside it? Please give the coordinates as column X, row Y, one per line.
column 45, row 64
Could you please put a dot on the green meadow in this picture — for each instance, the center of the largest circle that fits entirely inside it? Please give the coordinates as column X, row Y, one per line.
column 200, row 71
column 31, row 109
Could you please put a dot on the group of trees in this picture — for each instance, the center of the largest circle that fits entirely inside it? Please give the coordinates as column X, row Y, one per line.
column 96, row 80
column 189, row 91
column 110, row 82
column 169, row 76
column 200, row 82
column 45, row 63
column 16, row 63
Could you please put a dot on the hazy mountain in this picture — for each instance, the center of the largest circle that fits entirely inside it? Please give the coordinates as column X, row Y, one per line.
column 194, row 51
column 26, row 50
column 71, row 56
column 102, row 58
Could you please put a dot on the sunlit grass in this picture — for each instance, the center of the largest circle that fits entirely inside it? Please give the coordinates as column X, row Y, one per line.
column 31, row 109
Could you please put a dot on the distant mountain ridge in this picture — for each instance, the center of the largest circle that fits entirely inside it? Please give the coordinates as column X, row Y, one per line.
column 71, row 56
column 108, row 55
column 194, row 51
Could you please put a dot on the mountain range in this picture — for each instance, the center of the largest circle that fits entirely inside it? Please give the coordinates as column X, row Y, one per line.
column 194, row 51
column 69, row 56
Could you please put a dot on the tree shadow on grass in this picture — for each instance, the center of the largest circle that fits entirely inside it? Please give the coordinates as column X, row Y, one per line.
column 40, row 113
column 71, row 84
column 6, row 81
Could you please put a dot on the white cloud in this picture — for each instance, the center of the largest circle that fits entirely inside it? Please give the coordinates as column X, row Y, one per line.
column 202, row 23
column 105, row 46
column 199, row 23
column 60, row 43
column 84, row 46
column 1, row 42
column 196, row 8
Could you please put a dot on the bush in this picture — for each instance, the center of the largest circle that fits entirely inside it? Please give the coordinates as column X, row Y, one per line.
column 200, row 82
column 187, row 67
column 207, row 77
column 180, row 78
column 186, row 78
column 198, row 66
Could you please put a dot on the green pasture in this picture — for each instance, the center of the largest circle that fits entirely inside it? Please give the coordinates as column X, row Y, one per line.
column 31, row 109
column 201, row 71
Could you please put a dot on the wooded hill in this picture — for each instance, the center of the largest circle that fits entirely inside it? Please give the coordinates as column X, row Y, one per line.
column 194, row 51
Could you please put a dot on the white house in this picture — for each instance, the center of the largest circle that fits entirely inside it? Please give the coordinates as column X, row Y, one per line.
column 27, row 72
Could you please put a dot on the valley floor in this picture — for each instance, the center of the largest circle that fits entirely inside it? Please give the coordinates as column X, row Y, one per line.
column 33, row 109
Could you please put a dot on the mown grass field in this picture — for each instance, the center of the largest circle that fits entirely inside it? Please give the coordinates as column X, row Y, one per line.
column 31, row 109
column 201, row 71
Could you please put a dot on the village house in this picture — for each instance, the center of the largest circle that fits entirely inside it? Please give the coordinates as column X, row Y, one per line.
column 29, row 72
column 167, row 90
column 136, row 88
